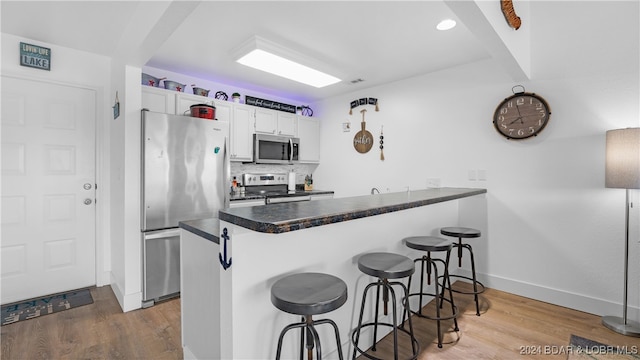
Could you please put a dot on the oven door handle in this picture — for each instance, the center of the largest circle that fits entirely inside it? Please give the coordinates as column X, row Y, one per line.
column 286, row 199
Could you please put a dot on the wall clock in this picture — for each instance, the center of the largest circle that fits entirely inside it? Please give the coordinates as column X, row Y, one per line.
column 521, row 115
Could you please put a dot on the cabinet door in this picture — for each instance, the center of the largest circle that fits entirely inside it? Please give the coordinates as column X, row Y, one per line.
column 266, row 121
column 287, row 124
column 241, row 133
column 309, row 134
column 184, row 102
column 224, row 110
column 158, row 100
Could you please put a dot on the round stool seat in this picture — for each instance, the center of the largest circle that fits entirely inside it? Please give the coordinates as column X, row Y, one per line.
column 460, row 232
column 308, row 293
column 386, row 265
column 428, row 243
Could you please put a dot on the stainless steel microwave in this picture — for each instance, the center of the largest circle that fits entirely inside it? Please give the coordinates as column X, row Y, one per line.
column 273, row 149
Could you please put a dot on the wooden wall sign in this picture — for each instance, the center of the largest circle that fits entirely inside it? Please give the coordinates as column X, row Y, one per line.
column 268, row 104
column 35, row 56
column 363, row 141
column 510, row 14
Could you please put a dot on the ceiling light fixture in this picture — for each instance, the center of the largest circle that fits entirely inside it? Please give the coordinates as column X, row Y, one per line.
column 270, row 57
column 446, row 24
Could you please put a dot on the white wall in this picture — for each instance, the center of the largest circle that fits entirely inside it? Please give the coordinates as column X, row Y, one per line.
column 555, row 232
column 80, row 69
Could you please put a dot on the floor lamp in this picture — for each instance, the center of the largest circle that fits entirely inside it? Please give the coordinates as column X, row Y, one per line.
column 622, row 171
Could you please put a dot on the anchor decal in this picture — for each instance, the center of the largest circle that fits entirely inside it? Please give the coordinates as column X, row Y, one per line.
column 226, row 263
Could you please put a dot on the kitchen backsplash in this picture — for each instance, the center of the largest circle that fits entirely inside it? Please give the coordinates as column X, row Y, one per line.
column 237, row 169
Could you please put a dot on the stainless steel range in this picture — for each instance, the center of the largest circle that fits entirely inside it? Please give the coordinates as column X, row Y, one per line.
column 273, row 187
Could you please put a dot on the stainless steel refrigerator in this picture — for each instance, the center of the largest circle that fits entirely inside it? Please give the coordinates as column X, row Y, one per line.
column 185, row 172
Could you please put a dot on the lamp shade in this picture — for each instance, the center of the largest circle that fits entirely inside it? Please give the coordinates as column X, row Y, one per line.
column 622, row 161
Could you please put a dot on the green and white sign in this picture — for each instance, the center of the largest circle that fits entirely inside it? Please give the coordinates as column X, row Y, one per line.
column 35, row 56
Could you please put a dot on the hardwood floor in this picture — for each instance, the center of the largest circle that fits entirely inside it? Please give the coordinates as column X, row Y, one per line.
column 97, row 331
column 509, row 327
column 509, row 324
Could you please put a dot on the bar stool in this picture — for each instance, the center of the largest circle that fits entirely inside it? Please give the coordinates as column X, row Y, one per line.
column 460, row 233
column 309, row 294
column 433, row 244
column 385, row 266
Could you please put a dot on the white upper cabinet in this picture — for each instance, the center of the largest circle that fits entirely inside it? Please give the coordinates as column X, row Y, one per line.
column 309, row 134
column 243, row 121
column 158, row 100
column 184, row 102
column 275, row 122
column 241, row 133
column 266, row 121
column 224, row 110
column 287, row 124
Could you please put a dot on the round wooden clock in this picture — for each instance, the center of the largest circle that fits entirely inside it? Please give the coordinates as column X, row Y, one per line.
column 521, row 116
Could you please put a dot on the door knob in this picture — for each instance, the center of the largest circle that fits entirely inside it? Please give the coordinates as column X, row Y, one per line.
column 87, row 186
column 87, row 201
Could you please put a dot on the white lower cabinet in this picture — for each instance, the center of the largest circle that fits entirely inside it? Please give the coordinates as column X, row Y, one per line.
column 309, row 134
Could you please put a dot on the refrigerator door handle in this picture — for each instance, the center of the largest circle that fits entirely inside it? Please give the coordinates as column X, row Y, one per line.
column 161, row 234
column 227, row 174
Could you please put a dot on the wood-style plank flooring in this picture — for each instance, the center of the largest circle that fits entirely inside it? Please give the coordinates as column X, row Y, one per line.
column 97, row 331
column 508, row 325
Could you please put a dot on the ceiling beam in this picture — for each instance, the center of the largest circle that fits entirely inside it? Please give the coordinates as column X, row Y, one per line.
column 150, row 26
column 508, row 47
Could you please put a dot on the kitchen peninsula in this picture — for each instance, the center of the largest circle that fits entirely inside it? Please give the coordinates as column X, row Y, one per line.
column 226, row 276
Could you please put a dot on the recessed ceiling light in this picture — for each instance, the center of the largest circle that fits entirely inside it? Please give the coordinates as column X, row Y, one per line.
column 270, row 57
column 446, row 24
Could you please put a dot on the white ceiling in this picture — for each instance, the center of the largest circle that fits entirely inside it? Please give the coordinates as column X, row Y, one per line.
column 378, row 41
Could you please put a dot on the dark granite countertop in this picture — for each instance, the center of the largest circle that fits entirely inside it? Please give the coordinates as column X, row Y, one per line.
column 298, row 191
column 206, row 228
column 285, row 217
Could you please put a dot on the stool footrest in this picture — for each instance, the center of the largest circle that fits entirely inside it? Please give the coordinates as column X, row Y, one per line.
column 478, row 283
column 420, row 314
column 356, row 349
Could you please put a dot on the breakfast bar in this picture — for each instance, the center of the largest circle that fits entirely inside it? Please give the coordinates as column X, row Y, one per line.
column 227, row 271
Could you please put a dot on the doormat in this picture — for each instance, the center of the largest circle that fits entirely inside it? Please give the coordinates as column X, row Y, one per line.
column 581, row 348
column 30, row 309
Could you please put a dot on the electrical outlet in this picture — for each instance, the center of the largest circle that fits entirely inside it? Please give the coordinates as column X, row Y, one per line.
column 433, row 183
column 482, row 175
column 346, row 126
column 472, row 175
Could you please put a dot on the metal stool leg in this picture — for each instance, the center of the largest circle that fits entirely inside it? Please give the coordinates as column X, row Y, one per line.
column 308, row 328
column 302, row 336
column 337, row 333
column 395, row 320
column 475, row 281
column 284, row 331
column 357, row 333
column 454, row 310
column 375, row 319
column 385, row 284
column 473, row 277
column 415, row 347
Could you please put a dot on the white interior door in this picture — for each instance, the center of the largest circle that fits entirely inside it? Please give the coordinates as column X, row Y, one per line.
column 48, row 188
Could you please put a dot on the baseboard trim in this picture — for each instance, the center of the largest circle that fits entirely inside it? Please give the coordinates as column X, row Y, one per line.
column 128, row 302
column 580, row 302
